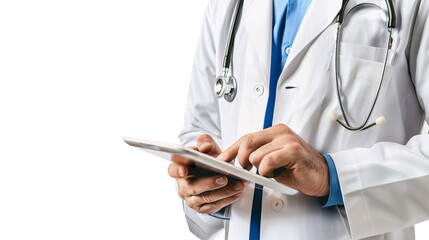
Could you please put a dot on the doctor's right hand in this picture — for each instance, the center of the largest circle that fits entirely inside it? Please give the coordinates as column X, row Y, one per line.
column 204, row 194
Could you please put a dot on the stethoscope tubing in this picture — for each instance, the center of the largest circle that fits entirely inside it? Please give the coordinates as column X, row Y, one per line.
column 346, row 124
column 231, row 36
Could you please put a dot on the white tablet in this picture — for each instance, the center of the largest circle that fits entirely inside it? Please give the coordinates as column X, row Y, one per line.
column 203, row 161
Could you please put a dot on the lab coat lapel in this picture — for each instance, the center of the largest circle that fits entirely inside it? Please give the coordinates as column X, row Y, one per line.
column 258, row 24
column 319, row 16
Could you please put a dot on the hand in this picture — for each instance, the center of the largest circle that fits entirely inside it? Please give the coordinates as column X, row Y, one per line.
column 279, row 147
column 204, row 194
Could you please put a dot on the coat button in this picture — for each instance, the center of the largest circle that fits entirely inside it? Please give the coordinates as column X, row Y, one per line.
column 277, row 204
column 259, row 90
column 287, row 51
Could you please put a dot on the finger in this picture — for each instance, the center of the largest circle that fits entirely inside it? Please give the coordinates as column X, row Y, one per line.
column 199, row 185
column 245, row 146
column 249, row 145
column 183, row 160
column 216, row 206
column 215, row 195
column 243, row 156
column 181, row 183
column 177, row 171
column 256, row 156
column 273, row 161
column 206, row 144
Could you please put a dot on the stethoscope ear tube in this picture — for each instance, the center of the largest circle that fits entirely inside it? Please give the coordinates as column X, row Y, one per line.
column 392, row 14
column 390, row 9
column 334, row 116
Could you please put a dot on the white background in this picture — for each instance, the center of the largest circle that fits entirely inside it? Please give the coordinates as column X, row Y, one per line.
column 77, row 76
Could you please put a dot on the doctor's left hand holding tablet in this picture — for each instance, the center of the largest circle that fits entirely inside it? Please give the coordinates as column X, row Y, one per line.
column 204, row 194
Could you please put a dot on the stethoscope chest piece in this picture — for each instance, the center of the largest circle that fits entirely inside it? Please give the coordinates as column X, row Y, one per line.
column 226, row 87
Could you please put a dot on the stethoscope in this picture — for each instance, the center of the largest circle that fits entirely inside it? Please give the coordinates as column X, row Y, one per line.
column 226, row 85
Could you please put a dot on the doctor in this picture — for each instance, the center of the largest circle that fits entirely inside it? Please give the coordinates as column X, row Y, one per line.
column 300, row 90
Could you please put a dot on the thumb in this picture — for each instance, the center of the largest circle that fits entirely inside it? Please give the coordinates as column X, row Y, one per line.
column 206, row 144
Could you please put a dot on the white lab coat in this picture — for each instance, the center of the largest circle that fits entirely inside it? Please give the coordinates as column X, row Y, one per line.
column 383, row 171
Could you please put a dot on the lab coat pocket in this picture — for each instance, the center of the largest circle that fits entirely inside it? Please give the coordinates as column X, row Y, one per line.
column 359, row 79
column 362, row 52
column 368, row 53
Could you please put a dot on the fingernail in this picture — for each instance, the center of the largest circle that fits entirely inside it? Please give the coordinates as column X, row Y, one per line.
column 181, row 172
column 237, row 186
column 220, row 181
column 220, row 157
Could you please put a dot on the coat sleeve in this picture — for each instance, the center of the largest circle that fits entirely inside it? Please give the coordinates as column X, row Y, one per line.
column 202, row 109
column 202, row 115
column 386, row 187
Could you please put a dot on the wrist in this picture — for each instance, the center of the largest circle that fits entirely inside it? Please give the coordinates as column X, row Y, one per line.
column 324, row 186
